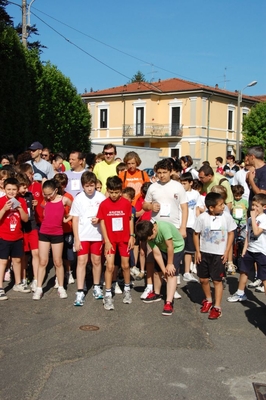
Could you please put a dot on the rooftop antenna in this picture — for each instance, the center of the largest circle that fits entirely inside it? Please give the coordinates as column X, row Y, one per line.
column 225, row 80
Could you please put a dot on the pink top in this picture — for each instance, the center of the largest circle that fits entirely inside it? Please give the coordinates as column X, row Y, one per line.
column 52, row 223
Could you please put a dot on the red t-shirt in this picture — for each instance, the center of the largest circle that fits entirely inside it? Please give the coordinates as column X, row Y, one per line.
column 67, row 226
column 10, row 223
column 116, row 215
column 36, row 189
column 147, row 214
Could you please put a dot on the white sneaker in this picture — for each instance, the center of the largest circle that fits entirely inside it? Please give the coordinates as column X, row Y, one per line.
column 33, row 285
column 146, row 293
column 127, row 298
column 255, row 284
column 7, row 277
column 97, row 292
column 260, row 289
column 56, row 285
column 108, row 303
column 79, row 301
column 62, row 293
column 177, row 295
column 178, row 280
column 70, row 278
column 116, row 288
column 21, row 288
column 188, row 277
column 37, row 295
column 193, row 268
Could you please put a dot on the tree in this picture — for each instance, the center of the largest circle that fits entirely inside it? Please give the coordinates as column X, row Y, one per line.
column 254, row 126
column 4, row 16
column 31, row 30
column 138, row 77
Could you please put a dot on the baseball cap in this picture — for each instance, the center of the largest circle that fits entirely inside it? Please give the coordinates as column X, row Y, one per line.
column 36, row 146
column 37, row 177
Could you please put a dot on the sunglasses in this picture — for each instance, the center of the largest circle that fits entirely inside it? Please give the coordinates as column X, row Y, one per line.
column 45, row 155
column 108, row 154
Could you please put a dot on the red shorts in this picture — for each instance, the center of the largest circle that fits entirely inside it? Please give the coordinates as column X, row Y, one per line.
column 122, row 249
column 30, row 240
column 90, row 248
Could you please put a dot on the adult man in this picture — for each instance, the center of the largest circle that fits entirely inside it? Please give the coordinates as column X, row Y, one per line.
column 77, row 163
column 230, row 168
column 38, row 164
column 210, row 179
column 107, row 167
column 256, row 177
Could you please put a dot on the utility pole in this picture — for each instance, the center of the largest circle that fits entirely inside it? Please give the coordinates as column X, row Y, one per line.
column 24, row 23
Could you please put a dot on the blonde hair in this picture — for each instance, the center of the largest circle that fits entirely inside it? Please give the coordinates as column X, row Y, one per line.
column 221, row 190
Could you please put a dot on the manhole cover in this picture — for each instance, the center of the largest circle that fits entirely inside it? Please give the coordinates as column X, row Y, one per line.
column 260, row 390
column 89, row 328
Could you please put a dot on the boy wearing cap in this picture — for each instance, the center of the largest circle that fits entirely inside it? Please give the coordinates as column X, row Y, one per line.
column 38, row 164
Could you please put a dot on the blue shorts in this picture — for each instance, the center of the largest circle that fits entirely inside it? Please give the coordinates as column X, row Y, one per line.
column 189, row 243
column 247, row 264
column 13, row 249
column 178, row 257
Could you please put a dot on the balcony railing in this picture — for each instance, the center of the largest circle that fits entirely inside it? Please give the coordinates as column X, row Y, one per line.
column 153, row 130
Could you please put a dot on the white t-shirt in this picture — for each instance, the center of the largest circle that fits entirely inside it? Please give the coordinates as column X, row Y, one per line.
column 214, row 231
column 74, row 183
column 86, row 208
column 169, row 195
column 257, row 244
column 192, row 198
column 240, row 179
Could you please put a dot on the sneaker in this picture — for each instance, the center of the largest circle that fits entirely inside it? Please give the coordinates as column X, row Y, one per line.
column 177, row 295
column 152, row 297
column 62, row 293
column 79, row 301
column 146, row 292
column 206, row 305
column 168, row 308
column 70, row 278
column 231, row 268
column 140, row 276
column 97, row 292
column 188, row 277
column 178, row 280
column 108, row 303
column 21, row 288
column 33, row 285
column 116, row 288
column 260, row 289
column 237, row 297
column 7, row 277
column 193, row 268
column 37, row 295
column 215, row 313
column 56, row 285
column 254, row 284
column 135, row 271
column 3, row 295
column 127, row 298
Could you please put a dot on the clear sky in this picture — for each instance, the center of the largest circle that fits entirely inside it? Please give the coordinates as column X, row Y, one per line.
column 209, row 41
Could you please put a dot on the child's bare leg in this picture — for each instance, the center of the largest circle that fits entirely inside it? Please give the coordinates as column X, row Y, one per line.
column 35, row 262
column 16, row 262
column 126, row 270
column 81, row 270
column 3, row 264
column 157, row 277
column 205, row 284
column 44, row 248
column 218, row 292
column 96, row 268
column 57, row 250
column 24, row 262
column 187, row 259
column 242, row 281
column 110, row 259
column 171, row 287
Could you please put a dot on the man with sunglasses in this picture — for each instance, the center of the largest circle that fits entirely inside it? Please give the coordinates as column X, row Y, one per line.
column 107, row 167
column 39, row 164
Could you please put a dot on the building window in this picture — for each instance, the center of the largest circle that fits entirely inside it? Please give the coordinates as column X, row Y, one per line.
column 103, row 118
column 139, row 121
column 175, row 121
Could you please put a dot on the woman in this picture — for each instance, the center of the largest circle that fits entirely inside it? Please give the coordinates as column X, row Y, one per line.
column 57, row 162
column 186, row 163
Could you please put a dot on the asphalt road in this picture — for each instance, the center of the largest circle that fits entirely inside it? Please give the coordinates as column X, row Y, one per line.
column 136, row 353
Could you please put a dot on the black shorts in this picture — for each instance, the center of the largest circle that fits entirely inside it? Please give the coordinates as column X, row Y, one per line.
column 247, row 264
column 68, row 253
column 53, row 239
column 13, row 249
column 178, row 257
column 211, row 266
column 189, row 244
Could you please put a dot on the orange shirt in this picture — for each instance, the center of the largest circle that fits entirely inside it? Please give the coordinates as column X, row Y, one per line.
column 134, row 180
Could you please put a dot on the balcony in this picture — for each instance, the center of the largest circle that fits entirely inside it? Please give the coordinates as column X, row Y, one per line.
column 153, row 131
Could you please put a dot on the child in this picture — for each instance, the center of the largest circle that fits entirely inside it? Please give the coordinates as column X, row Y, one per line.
column 121, row 167
column 213, row 237
column 129, row 194
column 68, row 254
column 118, row 232
column 99, row 185
column 13, row 210
column 87, row 235
column 30, row 232
column 254, row 250
column 186, row 179
column 240, row 205
column 51, row 235
column 4, row 174
column 167, row 244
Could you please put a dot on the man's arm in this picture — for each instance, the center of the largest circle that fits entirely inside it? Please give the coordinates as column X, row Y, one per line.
column 251, row 181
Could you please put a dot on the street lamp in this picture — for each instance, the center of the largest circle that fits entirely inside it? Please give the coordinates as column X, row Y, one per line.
column 239, row 100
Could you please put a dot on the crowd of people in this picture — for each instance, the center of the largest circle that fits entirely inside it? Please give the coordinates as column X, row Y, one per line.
column 106, row 212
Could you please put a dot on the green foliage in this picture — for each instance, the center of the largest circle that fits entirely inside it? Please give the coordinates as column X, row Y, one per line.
column 254, row 126
column 138, row 77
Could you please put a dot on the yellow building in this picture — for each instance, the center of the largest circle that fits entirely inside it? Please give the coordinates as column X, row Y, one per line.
column 174, row 115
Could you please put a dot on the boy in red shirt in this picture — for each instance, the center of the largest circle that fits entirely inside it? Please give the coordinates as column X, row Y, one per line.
column 12, row 212
column 115, row 214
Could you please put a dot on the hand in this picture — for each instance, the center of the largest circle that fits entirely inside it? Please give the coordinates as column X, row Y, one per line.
column 8, row 205
column 155, row 207
column 131, row 243
column 77, row 245
column 253, row 213
column 183, row 232
column 94, row 220
column 170, row 269
column 108, row 248
column 198, row 257
column 224, row 258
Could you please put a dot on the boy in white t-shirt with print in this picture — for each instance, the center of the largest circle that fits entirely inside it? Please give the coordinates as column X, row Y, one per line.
column 87, row 235
column 213, row 238
column 254, row 250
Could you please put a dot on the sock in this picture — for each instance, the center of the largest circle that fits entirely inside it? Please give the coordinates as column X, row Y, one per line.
column 240, row 292
column 150, row 286
column 127, row 287
column 60, row 287
column 209, row 299
column 96, row 285
column 108, row 293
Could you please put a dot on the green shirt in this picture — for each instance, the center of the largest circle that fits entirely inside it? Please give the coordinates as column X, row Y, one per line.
column 166, row 231
column 216, row 181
